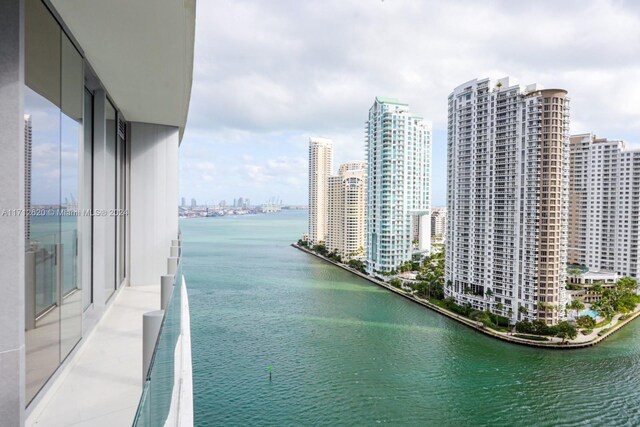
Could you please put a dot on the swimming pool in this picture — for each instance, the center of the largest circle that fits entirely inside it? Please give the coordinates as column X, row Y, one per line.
column 590, row 313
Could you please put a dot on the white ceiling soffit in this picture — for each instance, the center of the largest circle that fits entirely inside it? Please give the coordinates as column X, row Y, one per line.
column 141, row 50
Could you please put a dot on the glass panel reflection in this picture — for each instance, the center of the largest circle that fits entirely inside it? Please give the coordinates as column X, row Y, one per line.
column 42, row 193
column 72, row 96
column 53, row 98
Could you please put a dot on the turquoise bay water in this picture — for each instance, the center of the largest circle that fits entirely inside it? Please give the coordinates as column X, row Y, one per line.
column 345, row 352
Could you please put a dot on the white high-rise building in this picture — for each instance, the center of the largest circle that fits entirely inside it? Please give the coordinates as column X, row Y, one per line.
column 399, row 184
column 507, row 199
column 320, row 168
column 347, row 195
column 604, row 213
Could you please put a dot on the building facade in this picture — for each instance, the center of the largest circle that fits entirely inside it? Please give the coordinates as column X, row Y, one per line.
column 438, row 223
column 604, row 213
column 346, row 208
column 507, row 199
column 320, row 168
column 90, row 131
column 399, row 184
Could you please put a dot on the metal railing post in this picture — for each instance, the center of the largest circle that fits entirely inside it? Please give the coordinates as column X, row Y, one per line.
column 175, row 251
column 30, row 290
column 166, row 288
column 151, row 322
column 172, row 265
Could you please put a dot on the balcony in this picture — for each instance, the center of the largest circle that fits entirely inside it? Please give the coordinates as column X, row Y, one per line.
column 108, row 366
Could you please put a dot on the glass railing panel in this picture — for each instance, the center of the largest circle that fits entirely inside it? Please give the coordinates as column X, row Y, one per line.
column 155, row 403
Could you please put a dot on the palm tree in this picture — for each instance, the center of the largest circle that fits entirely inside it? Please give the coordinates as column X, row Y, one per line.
column 522, row 310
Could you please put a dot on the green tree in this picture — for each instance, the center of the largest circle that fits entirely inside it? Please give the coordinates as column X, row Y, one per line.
column 627, row 284
column 575, row 305
column 522, row 310
column 566, row 330
column 321, row 249
column 585, row 322
column 395, row 282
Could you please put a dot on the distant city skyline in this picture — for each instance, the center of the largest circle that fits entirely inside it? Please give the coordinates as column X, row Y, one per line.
column 264, row 84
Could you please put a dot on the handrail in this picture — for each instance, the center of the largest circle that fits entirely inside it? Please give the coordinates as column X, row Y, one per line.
column 167, row 396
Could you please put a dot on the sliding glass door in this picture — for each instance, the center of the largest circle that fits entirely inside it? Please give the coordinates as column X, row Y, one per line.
column 53, row 105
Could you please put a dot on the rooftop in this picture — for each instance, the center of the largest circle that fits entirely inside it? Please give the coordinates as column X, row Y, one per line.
column 388, row 100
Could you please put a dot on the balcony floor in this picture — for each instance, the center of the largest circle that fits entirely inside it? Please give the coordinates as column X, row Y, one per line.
column 101, row 385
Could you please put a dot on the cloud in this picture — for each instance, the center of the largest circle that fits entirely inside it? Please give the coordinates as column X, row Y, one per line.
column 274, row 73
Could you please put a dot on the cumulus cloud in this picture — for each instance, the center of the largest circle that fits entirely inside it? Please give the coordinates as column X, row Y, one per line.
column 274, row 73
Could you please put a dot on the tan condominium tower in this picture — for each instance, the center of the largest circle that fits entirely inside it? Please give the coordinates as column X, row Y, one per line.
column 320, row 168
column 438, row 223
column 346, row 210
column 507, row 199
column 604, row 213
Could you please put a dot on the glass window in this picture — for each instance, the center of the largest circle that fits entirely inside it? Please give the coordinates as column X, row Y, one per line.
column 53, row 106
column 42, row 193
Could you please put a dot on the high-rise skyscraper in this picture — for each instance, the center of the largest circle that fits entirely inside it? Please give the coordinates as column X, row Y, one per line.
column 399, row 179
column 28, row 146
column 193, row 203
column 240, row 202
column 438, row 223
column 320, row 167
column 604, row 214
column 346, row 208
column 183, row 202
column 507, row 199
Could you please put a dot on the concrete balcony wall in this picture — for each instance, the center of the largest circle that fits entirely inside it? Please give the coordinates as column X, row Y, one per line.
column 12, row 227
column 154, row 200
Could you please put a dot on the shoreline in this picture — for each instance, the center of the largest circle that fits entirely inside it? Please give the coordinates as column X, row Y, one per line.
column 473, row 324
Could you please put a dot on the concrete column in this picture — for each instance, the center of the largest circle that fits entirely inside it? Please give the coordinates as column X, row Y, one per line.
column 12, row 257
column 424, row 239
column 153, row 212
column 151, row 323
column 172, row 265
column 166, row 288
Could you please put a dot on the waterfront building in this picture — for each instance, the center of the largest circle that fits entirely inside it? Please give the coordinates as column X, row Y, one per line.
column 346, row 208
column 90, row 123
column 240, row 202
column 320, row 168
column 398, row 146
column 438, row 223
column 193, row 203
column 604, row 213
column 507, row 199
column 28, row 142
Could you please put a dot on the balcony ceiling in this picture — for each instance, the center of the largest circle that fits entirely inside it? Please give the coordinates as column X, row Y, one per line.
column 141, row 50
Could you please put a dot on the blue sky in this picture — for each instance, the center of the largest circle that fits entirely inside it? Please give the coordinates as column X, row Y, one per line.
column 269, row 75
